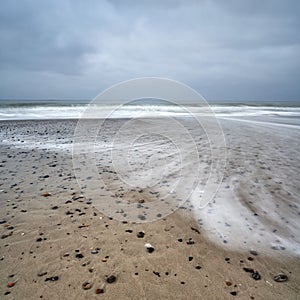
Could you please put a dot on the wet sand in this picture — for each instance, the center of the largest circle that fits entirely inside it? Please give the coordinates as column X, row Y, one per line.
column 56, row 245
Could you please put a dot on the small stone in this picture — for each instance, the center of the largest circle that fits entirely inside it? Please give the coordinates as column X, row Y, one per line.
column 198, row 267
column 87, row 285
column 94, row 251
column 42, row 274
column 39, row 239
column 2, row 221
column 79, row 255
column 129, row 230
column 250, row 258
column 99, row 291
column 54, row 207
column 280, row 277
column 253, row 252
column 11, row 284
column 256, row 276
column 234, row 293
column 190, row 241
column 111, row 279
column 53, row 278
column 228, row 283
column 141, row 201
column 141, row 234
column 191, row 258
column 149, row 247
column 249, row 270
column 46, row 194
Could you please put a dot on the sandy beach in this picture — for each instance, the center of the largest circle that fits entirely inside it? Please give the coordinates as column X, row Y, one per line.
column 55, row 244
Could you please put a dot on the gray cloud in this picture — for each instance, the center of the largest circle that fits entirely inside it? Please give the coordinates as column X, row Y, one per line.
column 224, row 49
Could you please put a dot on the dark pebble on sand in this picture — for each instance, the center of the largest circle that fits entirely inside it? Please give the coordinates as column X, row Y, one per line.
column 53, row 278
column 156, row 273
column 39, row 239
column 129, row 230
column 87, row 285
column 250, row 258
column 79, row 255
column 234, row 293
column 2, row 221
column 180, row 240
column 249, row 270
column 198, row 267
column 99, row 291
column 111, row 279
column 191, row 258
column 94, row 251
column 42, row 274
column 54, row 207
column 280, row 277
column 256, row 276
column 253, row 252
column 190, row 241
column 141, row 234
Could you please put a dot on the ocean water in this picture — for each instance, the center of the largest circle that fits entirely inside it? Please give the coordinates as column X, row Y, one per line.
column 276, row 112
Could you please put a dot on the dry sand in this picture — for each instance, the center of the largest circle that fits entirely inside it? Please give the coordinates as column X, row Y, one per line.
column 53, row 245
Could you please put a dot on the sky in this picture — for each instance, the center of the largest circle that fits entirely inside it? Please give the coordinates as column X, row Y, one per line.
column 225, row 50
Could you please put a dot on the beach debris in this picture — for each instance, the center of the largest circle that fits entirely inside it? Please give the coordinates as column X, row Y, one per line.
column 46, row 194
column 52, row 278
column 111, row 279
column 87, row 285
column 141, row 234
column 149, row 248
column 256, row 276
column 280, row 277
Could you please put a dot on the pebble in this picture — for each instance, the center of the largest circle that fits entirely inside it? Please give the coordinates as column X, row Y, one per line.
column 256, row 276
column 94, row 251
column 149, row 247
column 79, row 255
column 190, row 241
column 99, row 291
column 53, row 278
column 234, row 293
column 11, row 284
column 280, row 277
column 141, row 234
column 249, row 270
column 111, row 279
column 253, row 252
column 42, row 274
column 87, row 285
column 46, row 194
column 2, row 221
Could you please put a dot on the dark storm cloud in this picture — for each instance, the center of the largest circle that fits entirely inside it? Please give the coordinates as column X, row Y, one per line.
column 225, row 49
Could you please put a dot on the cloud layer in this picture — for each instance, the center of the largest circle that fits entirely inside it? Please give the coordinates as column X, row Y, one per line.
column 226, row 50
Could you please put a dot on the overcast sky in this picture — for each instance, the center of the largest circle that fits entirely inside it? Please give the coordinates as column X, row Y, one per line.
column 226, row 49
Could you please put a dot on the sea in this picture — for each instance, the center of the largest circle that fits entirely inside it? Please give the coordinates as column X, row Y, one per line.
column 279, row 112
